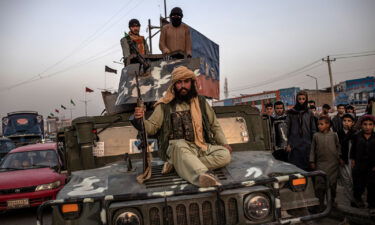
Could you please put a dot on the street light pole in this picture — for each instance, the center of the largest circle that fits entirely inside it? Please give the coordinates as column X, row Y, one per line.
column 317, row 89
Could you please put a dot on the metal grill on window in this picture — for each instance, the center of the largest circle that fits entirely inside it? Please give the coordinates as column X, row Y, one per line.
column 168, row 215
column 194, row 214
column 154, row 216
column 181, row 215
column 232, row 211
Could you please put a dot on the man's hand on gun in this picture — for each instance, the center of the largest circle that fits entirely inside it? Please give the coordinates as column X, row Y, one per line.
column 229, row 148
column 139, row 112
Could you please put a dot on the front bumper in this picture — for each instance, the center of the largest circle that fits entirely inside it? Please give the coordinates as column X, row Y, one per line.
column 106, row 201
column 35, row 198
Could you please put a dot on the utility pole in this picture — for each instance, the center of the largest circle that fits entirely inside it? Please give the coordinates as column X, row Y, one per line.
column 149, row 35
column 226, row 92
column 316, row 88
column 328, row 61
column 165, row 8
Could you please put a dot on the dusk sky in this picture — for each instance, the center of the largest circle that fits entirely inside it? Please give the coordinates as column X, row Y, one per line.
column 51, row 50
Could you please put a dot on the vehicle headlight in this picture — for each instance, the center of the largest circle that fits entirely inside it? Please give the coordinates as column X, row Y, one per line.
column 49, row 186
column 128, row 217
column 257, row 206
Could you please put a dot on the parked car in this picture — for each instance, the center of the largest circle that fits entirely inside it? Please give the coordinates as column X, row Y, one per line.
column 5, row 146
column 30, row 175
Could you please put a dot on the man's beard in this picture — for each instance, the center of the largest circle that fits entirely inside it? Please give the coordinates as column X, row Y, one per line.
column 188, row 96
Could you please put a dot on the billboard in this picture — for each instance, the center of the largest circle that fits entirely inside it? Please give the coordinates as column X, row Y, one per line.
column 288, row 95
column 208, row 53
column 357, row 91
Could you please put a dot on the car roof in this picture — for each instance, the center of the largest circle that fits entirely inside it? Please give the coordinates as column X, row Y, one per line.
column 22, row 112
column 36, row 147
column 5, row 139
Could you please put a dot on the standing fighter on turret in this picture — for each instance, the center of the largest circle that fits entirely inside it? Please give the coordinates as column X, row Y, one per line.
column 138, row 40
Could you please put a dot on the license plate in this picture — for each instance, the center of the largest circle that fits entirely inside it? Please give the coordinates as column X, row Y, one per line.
column 18, row 203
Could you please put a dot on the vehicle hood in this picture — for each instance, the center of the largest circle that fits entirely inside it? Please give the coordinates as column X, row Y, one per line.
column 114, row 179
column 27, row 178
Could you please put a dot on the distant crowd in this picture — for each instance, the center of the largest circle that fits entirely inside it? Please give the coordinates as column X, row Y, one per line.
column 343, row 146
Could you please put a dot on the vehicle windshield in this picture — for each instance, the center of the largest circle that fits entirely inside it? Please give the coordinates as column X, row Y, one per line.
column 30, row 160
column 6, row 146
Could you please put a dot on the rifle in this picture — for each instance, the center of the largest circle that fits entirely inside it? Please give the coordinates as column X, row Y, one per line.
column 138, row 56
column 142, row 133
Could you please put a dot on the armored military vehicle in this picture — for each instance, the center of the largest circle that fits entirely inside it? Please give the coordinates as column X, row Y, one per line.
column 104, row 161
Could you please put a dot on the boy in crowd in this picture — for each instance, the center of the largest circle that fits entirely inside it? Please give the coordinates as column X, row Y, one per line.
column 325, row 110
column 362, row 156
column 346, row 134
column 269, row 109
column 325, row 155
column 349, row 109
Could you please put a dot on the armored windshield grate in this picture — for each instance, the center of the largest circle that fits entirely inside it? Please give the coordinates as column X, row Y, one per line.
column 207, row 211
column 154, row 216
column 194, row 214
column 168, row 215
column 162, row 180
column 220, row 212
column 232, row 211
column 181, row 215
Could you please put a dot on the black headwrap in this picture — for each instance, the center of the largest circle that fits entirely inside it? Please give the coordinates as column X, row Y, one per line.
column 298, row 106
column 176, row 21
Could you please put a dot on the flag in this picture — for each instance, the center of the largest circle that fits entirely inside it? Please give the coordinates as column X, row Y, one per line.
column 110, row 70
column 89, row 90
column 71, row 102
column 63, row 107
column 56, row 110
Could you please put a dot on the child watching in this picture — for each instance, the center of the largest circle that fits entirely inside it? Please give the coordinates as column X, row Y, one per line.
column 346, row 134
column 362, row 157
column 325, row 155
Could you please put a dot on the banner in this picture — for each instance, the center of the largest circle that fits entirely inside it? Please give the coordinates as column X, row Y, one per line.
column 110, row 70
column 89, row 90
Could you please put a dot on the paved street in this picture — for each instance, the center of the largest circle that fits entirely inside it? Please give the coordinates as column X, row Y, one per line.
column 28, row 217
column 23, row 217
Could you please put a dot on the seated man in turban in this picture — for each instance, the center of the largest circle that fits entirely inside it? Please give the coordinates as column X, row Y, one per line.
column 190, row 137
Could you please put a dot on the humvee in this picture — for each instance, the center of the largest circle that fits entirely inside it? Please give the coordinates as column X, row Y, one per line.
column 103, row 162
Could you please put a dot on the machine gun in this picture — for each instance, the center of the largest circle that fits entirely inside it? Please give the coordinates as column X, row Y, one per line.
column 142, row 133
column 145, row 65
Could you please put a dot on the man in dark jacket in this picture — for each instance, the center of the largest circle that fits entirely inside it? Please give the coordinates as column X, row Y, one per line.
column 301, row 127
column 362, row 157
column 337, row 120
column 280, row 132
column 176, row 35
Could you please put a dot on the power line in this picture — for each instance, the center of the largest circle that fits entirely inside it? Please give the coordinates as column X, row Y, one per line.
column 273, row 79
column 86, row 42
column 354, row 53
column 38, row 77
column 354, row 56
column 81, row 63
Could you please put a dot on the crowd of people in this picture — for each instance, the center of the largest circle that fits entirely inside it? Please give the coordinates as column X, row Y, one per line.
column 342, row 146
